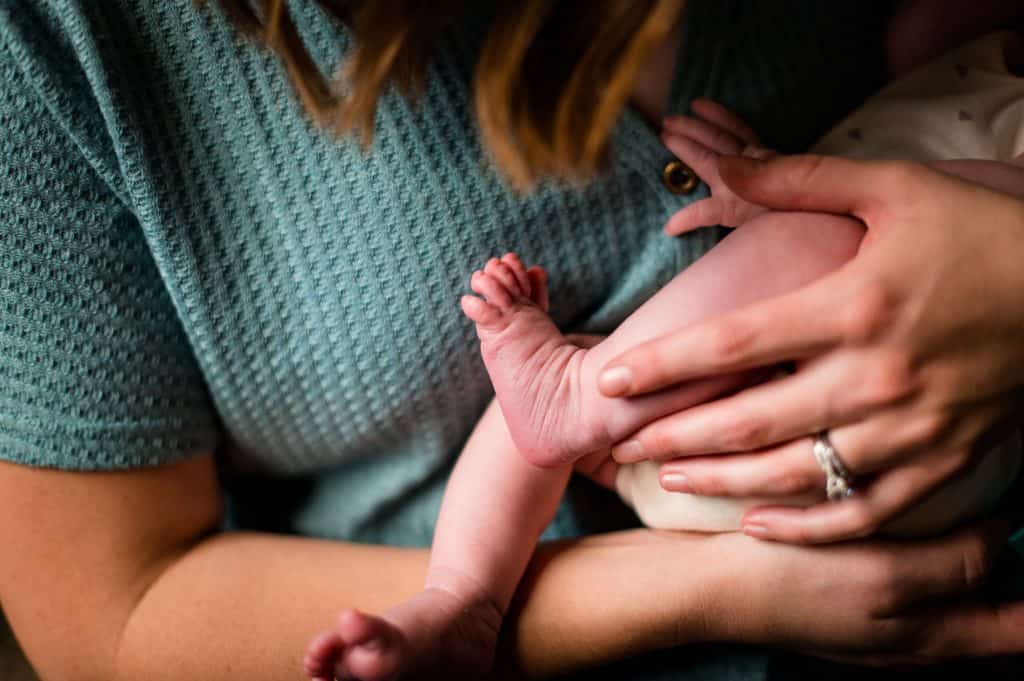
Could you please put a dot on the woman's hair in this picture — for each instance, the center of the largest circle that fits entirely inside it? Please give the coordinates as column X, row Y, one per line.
column 550, row 83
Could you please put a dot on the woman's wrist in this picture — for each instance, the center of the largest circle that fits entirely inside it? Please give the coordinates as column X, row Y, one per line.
column 602, row 598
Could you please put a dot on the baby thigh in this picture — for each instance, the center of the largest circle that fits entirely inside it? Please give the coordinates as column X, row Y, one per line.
column 773, row 254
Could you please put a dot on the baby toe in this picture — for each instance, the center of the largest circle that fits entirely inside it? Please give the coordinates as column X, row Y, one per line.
column 512, row 261
column 505, row 276
column 491, row 289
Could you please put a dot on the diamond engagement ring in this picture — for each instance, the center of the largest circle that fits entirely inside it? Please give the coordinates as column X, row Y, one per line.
column 838, row 482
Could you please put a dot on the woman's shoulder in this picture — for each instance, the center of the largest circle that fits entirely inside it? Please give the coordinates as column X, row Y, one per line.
column 75, row 58
column 97, row 373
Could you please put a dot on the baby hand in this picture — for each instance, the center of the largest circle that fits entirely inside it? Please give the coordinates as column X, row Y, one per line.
column 699, row 142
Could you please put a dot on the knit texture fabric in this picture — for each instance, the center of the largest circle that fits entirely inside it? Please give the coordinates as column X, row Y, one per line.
column 187, row 265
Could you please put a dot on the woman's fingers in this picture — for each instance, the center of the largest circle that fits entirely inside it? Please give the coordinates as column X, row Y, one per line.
column 824, row 183
column 784, row 471
column 716, row 114
column 793, row 326
column 823, row 394
column 857, row 516
column 979, row 629
column 864, row 447
column 943, row 567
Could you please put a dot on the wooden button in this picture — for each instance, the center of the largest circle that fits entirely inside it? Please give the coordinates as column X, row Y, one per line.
column 679, row 178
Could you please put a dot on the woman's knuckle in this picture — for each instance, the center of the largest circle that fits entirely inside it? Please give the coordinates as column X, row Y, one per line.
column 930, row 428
column 652, row 362
column 731, row 340
column 894, row 377
column 863, row 522
column 962, row 459
column 868, row 313
column 804, row 535
column 901, row 177
column 976, row 563
column 882, row 585
column 711, row 484
column 793, row 482
column 894, row 634
column 658, row 442
column 746, row 434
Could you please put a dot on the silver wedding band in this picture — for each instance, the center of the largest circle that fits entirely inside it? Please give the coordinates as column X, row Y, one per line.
column 838, row 481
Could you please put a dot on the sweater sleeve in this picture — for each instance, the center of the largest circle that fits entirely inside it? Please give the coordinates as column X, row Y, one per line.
column 96, row 372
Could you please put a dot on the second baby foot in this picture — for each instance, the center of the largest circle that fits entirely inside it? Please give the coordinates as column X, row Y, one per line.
column 534, row 368
column 434, row 630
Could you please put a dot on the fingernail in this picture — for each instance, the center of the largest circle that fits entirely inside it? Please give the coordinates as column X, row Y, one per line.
column 676, row 482
column 756, row 531
column 615, row 382
column 628, row 452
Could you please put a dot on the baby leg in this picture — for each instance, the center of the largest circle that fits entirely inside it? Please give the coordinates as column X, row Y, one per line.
column 495, row 507
column 547, row 387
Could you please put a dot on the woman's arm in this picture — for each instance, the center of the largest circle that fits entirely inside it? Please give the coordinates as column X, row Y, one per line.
column 909, row 355
column 120, row 576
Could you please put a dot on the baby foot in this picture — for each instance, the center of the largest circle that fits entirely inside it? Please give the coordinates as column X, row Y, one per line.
column 433, row 630
column 533, row 367
column 699, row 142
column 361, row 646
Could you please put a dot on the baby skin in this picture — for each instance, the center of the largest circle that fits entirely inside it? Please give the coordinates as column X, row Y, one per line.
column 509, row 479
column 547, row 386
column 498, row 502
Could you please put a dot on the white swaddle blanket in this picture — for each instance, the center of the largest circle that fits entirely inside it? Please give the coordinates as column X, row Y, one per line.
column 966, row 104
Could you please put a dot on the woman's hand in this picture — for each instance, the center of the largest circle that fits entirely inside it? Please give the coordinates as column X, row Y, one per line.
column 868, row 602
column 911, row 355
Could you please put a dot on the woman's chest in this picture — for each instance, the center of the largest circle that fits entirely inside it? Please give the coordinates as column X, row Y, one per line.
column 319, row 283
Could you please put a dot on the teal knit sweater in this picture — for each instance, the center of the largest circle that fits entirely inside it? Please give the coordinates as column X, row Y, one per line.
column 187, row 265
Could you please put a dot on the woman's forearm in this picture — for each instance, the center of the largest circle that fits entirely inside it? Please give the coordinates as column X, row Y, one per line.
column 122, row 576
column 245, row 605
column 608, row 597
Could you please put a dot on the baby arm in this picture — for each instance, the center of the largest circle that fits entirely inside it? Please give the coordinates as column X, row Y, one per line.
column 495, row 507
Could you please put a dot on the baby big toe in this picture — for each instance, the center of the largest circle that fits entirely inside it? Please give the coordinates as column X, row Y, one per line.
column 376, row 648
column 374, row 662
column 321, row 651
